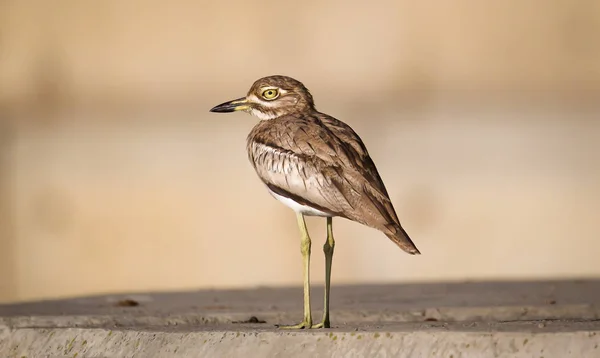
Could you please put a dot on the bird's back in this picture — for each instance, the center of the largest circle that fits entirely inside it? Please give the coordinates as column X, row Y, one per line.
column 319, row 161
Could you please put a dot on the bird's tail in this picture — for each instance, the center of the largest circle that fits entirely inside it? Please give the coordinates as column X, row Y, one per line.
column 399, row 236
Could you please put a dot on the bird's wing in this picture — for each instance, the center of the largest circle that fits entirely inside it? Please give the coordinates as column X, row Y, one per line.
column 322, row 163
column 293, row 160
column 360, row 170
column 357, row 155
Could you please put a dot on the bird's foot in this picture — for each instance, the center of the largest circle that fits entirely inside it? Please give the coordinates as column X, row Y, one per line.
column 324, row 324
column 302, row 325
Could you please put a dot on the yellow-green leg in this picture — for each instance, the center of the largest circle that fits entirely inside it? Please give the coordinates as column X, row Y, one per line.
column 305, row 249
column 328, row 250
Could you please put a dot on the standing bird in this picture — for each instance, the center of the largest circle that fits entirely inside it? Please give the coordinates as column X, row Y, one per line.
column 316, row 165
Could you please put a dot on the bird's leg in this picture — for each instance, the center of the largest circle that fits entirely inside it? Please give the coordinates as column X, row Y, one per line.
column 305, row 249
column 328, row 250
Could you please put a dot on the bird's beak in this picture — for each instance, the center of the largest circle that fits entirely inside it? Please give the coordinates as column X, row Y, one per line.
column 239, row 104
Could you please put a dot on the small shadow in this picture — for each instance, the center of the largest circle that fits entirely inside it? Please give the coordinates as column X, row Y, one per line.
column 252, row 319
column 127, row 303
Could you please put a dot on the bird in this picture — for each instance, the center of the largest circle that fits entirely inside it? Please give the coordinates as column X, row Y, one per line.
column 316, row 165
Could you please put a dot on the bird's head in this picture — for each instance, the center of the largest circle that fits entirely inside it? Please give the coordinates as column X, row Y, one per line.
column 271, row 97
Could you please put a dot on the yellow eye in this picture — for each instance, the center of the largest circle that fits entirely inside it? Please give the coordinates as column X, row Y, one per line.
column 270, row 94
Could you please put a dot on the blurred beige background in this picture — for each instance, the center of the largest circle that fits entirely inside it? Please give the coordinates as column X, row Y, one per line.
column 482, row 117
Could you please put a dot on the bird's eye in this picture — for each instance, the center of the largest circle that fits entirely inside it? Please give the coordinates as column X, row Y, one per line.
column 270, row 94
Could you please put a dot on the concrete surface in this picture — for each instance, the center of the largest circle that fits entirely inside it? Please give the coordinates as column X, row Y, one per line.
column 495, row 319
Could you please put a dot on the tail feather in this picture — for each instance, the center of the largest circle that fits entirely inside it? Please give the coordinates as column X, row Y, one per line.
column 399, row 236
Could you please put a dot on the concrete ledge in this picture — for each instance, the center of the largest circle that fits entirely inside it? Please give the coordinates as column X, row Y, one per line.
column 497, row 319
column 554, row 339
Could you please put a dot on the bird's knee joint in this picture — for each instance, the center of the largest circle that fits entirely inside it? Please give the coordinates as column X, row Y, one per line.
column 305, row 247
column 328, row 248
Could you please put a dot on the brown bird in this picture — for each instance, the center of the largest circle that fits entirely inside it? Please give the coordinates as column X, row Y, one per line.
column 316, row 165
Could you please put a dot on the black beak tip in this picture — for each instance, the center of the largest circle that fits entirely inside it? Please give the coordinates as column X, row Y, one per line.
column 221, row 109
column 227, row 107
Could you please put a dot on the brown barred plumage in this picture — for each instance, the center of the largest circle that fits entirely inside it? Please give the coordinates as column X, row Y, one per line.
column 315, row 159
column 316, row 165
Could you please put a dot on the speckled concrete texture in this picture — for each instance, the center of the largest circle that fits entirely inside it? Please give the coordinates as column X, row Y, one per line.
column 492, row 319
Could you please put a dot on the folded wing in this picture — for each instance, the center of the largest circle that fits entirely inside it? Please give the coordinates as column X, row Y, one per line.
column 321, row 162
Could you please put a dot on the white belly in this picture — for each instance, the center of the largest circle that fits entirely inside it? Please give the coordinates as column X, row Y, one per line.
column 299, row 208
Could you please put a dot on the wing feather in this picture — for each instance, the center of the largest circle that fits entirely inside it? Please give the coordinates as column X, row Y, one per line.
column 321, row 162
